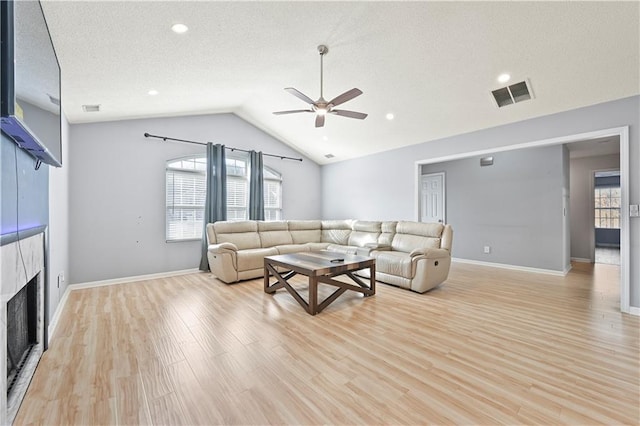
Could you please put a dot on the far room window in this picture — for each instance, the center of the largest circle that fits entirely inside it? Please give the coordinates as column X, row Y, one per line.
column 607, row 207
column 186, row 194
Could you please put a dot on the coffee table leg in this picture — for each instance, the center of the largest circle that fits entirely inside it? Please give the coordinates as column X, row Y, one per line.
column 372, row 280
column 313, row 294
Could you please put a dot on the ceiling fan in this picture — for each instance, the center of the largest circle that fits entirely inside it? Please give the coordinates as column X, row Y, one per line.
column 321, row 107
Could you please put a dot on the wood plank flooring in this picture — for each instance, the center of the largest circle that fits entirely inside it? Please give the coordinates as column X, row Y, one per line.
column 489, row 346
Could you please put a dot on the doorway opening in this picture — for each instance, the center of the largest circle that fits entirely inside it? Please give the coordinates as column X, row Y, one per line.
column 622, row 136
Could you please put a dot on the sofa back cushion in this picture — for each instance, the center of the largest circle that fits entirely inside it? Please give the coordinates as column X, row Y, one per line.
column 336, row 231
column 274, row 233
column 305, row 231
column 243, row 234
column 388, row 231
column 417, row 235
column 211, row 234
column 364, row 232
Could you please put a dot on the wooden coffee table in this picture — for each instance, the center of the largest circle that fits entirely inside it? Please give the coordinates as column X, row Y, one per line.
column 320, row 267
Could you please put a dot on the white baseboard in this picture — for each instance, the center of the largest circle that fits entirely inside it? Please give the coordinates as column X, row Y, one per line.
column 580, row 260
column 51, row 328
column 634, row 310
column 124, row 280
column 512, row 267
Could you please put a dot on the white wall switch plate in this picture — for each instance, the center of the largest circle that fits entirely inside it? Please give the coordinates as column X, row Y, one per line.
column 487, row 249
column 634, row 211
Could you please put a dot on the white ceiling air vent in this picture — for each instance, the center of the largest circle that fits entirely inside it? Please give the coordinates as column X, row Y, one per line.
column 91, row 108
column 329, row 155
column 512, row 94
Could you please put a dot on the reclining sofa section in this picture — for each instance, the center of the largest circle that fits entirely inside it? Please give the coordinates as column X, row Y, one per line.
column 411, row 255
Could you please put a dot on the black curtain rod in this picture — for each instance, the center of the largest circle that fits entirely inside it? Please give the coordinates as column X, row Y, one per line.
column 166, row 138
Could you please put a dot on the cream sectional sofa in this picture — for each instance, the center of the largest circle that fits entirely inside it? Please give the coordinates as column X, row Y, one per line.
column 412, row 255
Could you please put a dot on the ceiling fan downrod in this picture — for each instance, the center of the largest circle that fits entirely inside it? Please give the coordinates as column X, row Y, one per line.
column 323, row 50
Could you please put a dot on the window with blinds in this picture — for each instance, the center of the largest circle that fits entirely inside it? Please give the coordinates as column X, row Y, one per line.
column 186, row 195
column 272, row 194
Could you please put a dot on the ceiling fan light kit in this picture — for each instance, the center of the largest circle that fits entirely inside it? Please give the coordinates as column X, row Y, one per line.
column 321, row 107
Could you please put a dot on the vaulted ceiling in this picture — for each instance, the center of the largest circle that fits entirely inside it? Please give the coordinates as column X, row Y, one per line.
column 431, row 64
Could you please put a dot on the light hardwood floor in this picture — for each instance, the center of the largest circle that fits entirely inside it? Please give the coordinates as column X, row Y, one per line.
column 489, row 346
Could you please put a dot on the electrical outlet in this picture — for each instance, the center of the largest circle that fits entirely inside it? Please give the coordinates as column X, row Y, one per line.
column 634, row 211
column 487, row 249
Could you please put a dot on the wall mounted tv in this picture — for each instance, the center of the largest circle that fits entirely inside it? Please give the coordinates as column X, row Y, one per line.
column 30, row 79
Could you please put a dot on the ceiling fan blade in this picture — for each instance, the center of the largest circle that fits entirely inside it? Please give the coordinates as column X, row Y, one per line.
column 346, row 96
column 292, row 111
column 319, row 120
column 350, row 114
column 298, row 94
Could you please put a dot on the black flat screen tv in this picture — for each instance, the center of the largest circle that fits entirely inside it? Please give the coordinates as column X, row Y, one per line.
column 30, row 80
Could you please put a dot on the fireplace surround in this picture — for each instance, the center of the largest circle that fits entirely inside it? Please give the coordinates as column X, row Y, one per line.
column 22, row 261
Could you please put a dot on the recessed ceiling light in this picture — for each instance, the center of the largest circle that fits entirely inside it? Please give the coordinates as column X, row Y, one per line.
column 152, row 92
column 325, row 138
column 390, row 116
column 503, row 78
column 179, row 28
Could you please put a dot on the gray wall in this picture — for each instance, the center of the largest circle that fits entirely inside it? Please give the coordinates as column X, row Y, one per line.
column 514, row 206
column 117, row 191
column 38, row 197
column 381, row 186
column 581, row 201
column 59, row 224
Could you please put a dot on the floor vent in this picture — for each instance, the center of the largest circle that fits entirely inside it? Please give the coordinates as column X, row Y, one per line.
column 512, row 94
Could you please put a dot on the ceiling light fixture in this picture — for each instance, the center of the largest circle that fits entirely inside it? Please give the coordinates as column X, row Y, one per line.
column 323, row 107
column 179, row 28
column 503, row 78
column 325, row 138
column 152, row 92
column 390, row 116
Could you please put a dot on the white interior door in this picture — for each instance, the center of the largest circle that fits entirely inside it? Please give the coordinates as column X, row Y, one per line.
column 432, row 207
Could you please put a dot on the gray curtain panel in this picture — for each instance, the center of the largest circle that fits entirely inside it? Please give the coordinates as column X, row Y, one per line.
column 256, row 186
column 215, row 206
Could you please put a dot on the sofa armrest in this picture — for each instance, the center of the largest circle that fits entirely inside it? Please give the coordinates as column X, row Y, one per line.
column 222, row 247
column 430, row 253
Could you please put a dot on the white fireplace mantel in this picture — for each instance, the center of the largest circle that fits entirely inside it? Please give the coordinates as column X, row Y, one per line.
column 21, row 259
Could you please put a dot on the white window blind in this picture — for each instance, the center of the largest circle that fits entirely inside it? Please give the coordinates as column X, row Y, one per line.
column 186, row 192
column 186, row 195
column 272, row 199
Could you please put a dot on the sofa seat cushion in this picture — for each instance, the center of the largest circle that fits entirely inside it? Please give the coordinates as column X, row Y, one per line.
column 317, row 246
column 254, row 258
column 292, row 248
column 394, row 263
column 342, row 249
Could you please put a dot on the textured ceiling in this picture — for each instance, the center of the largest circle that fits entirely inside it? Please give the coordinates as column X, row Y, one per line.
column 432, row 64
